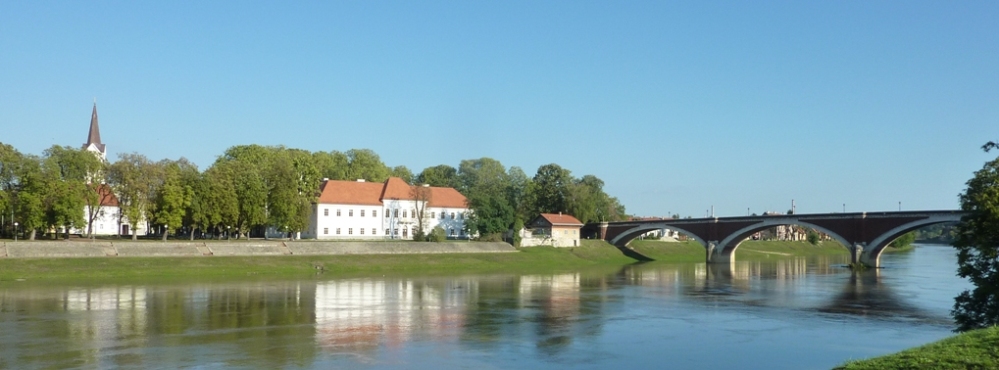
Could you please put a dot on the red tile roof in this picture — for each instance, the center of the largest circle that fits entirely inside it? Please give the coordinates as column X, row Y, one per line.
column 560, row 219
column 105, row 196
column 373, row 193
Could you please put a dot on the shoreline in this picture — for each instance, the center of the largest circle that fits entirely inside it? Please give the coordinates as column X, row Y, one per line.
column 357, row 264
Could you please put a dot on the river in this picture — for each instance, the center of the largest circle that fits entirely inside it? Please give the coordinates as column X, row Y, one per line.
column 787, row 313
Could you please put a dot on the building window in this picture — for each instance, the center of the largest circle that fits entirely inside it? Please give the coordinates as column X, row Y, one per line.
column 405, row 231
column 452, row 215
column 338, row 212
column 403, row 214
column 374, row 231
column 326, row 211
column 386, row 231
column 387, row 213
column 350, row 231
column 326, row 231
column 350, row 213
column 461, row 216
column 450, row 231
column 442, row 215
column 362, row 231
column 362, row 213
column 397, row 213
column 374, row 213
column 433, row 214
column 395, row 232
column 338, row 231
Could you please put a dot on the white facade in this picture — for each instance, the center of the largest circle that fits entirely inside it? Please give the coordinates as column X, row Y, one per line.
column 361, row 210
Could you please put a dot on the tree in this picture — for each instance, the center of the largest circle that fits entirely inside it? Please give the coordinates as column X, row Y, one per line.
column 421, row 197
column 440, row 176
column 903, row 241
column 71, row 173
column 403, row 173
column 332, row 165
column 485, row 184
column 365, row 164
column 552, row 190
column 977, row 244
column 172, row 199
column 131, row 178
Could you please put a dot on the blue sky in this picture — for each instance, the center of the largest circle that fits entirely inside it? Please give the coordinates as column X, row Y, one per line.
column 677, row 105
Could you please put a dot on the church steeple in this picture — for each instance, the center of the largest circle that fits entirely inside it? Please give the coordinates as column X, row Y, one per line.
column 94, row 137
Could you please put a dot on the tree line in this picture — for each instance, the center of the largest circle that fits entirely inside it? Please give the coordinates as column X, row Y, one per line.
column 254, row 186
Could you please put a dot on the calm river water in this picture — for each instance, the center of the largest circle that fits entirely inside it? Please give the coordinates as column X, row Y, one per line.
column 780, row 314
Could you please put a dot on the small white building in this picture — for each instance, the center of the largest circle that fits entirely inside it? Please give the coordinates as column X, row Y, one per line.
column 389, row 210
column 550, row 229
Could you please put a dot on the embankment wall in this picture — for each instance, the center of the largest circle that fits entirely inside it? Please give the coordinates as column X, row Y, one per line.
column 82, row 249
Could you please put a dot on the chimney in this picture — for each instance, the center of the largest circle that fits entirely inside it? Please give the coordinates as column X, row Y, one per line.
column 326, row 179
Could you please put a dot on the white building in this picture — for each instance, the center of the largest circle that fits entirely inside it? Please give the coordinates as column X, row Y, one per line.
column 389, row 210
column 108, row 220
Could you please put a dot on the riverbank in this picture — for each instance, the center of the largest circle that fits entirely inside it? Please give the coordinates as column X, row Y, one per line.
column 978, row 349
column 523, row 260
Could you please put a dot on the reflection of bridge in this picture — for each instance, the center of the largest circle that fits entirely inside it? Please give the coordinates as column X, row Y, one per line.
column 864, row 234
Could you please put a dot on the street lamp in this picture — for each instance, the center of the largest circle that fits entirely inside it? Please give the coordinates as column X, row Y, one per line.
column 228, row 236
column 15, row 231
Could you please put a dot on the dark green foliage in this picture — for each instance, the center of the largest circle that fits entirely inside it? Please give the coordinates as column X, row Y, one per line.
column 813, row 237
column 978, row 250
column 903, row 241
column 439, row 176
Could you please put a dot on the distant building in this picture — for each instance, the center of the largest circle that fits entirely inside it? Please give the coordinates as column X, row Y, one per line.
column 389, row 210
column 557, row 230
column 109, row 220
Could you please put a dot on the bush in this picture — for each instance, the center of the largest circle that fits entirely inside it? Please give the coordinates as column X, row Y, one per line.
column 437, row 235
column 813, row 237
column 493, row 237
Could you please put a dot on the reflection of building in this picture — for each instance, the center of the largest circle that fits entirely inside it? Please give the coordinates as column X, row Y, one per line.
column 363, row 314
column 556, row 230
column 371, row 210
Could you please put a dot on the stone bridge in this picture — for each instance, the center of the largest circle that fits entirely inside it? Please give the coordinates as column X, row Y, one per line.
column 865, row 234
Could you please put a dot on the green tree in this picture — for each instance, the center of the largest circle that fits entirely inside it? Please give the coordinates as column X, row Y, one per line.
column 365, row 164
column 485, row 184
column 131, row 177
column 440, row 176
column 70, row 172
column 903, row 241
column 551, row 192
column 172, row 199
column 977, row 244
column 332, row 165
column 403, row 173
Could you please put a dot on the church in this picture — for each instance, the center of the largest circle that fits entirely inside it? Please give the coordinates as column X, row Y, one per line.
column 108, row 220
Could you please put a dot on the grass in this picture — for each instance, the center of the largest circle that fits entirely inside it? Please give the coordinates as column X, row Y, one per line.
column 526, row 260
column 592, row 252
column 978, row 349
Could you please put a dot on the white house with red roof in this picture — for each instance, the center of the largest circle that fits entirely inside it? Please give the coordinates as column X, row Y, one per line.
column 389, row 210
column 551, row 229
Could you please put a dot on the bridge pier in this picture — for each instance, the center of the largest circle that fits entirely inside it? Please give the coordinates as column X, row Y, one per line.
column 861, row 254
column 717, row 255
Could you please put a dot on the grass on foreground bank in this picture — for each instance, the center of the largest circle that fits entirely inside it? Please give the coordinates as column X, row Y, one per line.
column 978, row 349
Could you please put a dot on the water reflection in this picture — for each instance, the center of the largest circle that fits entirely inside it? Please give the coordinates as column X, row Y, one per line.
column 371, row 321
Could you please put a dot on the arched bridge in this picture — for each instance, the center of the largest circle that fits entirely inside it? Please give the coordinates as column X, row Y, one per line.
column 865, row 234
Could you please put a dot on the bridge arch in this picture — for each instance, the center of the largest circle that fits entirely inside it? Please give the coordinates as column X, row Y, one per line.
column 728, row 245
column 872, row 251
column 627, row 236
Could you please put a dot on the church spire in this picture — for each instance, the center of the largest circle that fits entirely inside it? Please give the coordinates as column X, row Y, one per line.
column 94, row 137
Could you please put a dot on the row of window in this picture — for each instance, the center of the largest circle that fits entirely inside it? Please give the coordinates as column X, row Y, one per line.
column 405, row 231
column 405, row 213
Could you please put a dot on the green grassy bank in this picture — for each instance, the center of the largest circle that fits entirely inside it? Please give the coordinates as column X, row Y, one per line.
column 977, row 349
column 526, row 260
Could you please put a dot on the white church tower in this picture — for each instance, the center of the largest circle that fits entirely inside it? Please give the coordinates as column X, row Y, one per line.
column 93, row 143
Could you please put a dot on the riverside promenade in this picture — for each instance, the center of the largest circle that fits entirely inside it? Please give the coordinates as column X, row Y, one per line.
column 127, row 248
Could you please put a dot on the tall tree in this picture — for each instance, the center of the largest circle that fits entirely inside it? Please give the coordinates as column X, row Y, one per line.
column 332, row 165
column 440, row 175
column 131, row 177
column 172, row 199
column 977, row 244
column 71, row 173
column 421, row 196
column 365, row 164
column 485, row 184
column 551, row 192
column 403, row 173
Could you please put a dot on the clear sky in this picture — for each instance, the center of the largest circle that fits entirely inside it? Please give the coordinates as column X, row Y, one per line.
column 677, row 105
